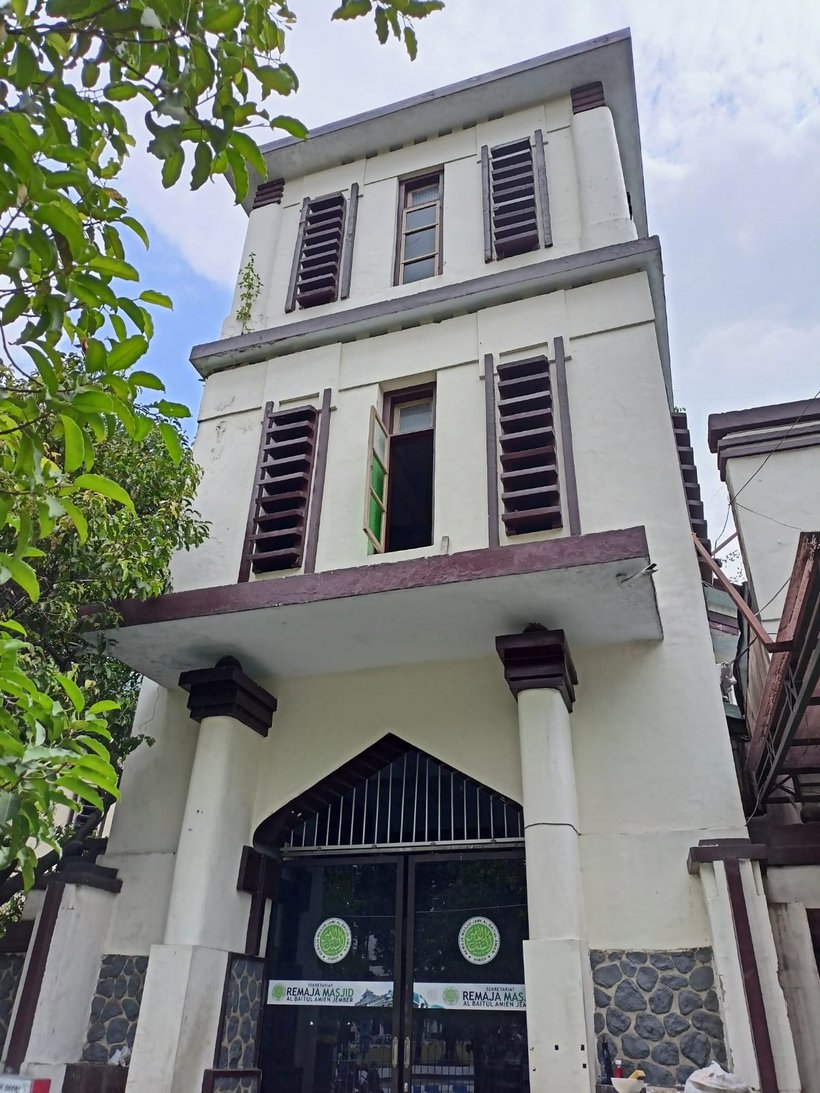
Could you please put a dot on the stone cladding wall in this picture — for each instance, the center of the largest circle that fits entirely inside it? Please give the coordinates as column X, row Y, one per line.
column 241, row 1015
column 115, row 1007
column 659, row 1011
column 11, row 968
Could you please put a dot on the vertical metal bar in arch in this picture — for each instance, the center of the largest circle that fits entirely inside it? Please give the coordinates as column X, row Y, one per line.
column 493, row 538
column 567, row 453
column 317, row 493
column 543, row 189
column 350, row 236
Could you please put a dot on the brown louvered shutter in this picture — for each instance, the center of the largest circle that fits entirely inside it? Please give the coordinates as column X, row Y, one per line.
column 269, row 193
column 318, row 259
column 530, row 491
column 513, row 202
column 278, row 517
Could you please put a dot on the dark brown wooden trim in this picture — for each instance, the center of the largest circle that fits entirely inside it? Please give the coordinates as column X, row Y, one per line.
column 493, row 534
column 538, row 659
column 350, row 236
column 245, row 563
column 761, row 417
column 753, row 445
column 318, row 491
column 210, row 1076
column 751, row 978
column 270, row 192
column 485, row 203
column 258, row 876
column 225, row 691
column 712, row 850
column 566, row 552
column 567, row 450
column 20, row 1033
column 543, row 188
column 587, row 97
column 290, row 299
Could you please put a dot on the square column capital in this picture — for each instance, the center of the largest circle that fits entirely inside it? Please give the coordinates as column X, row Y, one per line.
column 536, row 659
column 225, row 691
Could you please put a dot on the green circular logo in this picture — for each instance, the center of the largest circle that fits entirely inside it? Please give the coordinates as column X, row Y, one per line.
column 450, row 996
column 277, row 991
column 479, row 940
column 332, row 940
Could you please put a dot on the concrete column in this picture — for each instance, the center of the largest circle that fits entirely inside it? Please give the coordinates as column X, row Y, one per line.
column 261, row 240
column 801, row 986
column 759, row 1037
column 207, row 916
column 541, row 676
column 603, row 203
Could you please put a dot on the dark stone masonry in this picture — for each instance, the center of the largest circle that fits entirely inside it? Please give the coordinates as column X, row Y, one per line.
column 11, row 968
column 115, row 1007
column 659, row 1011
column 243, row 1005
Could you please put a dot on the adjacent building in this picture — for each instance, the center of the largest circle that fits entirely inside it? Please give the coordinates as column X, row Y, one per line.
column 438, row 724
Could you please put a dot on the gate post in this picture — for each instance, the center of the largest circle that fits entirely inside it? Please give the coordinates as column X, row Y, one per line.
column 541, row 676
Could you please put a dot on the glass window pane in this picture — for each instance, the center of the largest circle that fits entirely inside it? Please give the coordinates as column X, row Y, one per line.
column 420, row 218
column 420, row 243
column 413, row 416
column 420, row 195
column 417, row 271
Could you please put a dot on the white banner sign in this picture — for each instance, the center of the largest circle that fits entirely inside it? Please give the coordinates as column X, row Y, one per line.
column 469, row 996
column 12, row 1083
column 329, row 992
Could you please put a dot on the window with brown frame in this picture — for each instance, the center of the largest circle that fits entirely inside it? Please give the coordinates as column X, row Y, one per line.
column 419, row 252
column 398, row 507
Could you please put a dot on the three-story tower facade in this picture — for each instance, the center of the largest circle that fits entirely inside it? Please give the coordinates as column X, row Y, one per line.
column 437, row 720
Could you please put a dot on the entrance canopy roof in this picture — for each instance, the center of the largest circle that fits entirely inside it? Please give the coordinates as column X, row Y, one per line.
column 445, row 607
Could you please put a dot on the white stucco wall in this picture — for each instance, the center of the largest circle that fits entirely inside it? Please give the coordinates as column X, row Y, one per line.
column 779, row 497
column 587, row 195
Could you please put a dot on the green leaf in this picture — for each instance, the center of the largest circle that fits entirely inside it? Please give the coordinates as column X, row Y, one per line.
column 147, row 379
column 136, row 228
column 411, row 43
column 119, row 92
column 203, row 159
column 382, row 27
column 113, row 267
column 74, row 443
column 93, row 402
column 91, row 73
column 98, row 483
column 290, row 125
column 158, row 298
column 72, row 690
column 352, row 9
column 220, row 18
column 67, row 224
column 172, row 167
column 105, row 705
column 250, row 151
column 172, row 409
column 77, row 518
column 172, row 441
column 82, row 790
column 276, row 79
column 21, row 573
column 125, row 353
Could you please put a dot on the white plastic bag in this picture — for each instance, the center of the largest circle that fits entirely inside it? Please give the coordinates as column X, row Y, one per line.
column 713, row 1078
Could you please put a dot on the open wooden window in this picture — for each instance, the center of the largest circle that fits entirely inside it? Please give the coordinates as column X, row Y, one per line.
column 322, row 261
column 514, row 181
column 529, row 460
column 419, row 252
column 398, row 511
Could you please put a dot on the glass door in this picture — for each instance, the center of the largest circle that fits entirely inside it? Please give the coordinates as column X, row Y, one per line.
column 465, row 1009
column 331, row 1019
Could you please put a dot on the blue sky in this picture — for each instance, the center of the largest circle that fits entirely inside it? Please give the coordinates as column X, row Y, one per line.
column 729, row 99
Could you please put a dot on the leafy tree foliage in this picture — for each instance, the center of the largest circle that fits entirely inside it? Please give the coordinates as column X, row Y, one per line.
column 74, row 326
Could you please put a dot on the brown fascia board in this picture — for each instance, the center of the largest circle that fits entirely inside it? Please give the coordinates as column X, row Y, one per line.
column 607, row 59
column 445, row 301
column 553, row 554
column 761, row 417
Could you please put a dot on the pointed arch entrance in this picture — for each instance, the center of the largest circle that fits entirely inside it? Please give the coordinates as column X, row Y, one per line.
column 394, row 960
